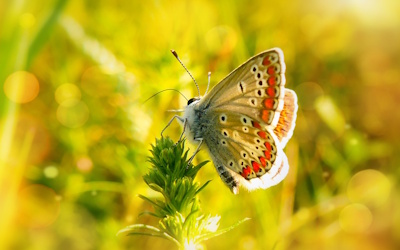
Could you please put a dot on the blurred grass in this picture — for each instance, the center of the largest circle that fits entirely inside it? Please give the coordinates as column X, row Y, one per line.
column 73, row 154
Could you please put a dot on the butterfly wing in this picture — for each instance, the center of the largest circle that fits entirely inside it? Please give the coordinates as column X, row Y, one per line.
column 287, row 118
column 256, row 89
column 244, row 153
column 247, row 119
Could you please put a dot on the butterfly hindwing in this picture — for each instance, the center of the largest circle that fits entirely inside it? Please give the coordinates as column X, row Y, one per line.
column 244, row 153
column 287, row 118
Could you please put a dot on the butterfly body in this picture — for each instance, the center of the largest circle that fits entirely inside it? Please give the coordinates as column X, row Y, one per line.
column 245, row 122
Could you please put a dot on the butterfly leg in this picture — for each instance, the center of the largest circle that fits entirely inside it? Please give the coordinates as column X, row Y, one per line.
column 183, row 130
column 169, row 123
column 195, row 152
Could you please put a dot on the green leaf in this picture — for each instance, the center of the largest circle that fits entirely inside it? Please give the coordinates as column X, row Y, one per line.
column 208, row 236
column 202, row 187
column 156, row 187
column 130, row 230
column 150, row 200
column 150, row 213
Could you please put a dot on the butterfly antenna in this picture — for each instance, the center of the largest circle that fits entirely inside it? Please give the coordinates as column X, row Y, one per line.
column 179, row 60
column 208, row 85
column 163, row 91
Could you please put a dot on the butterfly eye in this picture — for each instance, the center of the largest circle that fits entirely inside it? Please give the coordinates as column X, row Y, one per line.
column 192, row 100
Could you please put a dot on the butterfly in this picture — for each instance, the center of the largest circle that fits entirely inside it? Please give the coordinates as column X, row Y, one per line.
column 245, row 122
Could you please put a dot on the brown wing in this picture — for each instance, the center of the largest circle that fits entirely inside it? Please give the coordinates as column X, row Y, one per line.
column 255, row 89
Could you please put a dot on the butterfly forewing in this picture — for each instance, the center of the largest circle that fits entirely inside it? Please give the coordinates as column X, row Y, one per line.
column 256, row 89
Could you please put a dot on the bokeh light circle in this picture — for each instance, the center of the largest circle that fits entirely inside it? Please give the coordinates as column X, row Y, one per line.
column 355, row 218
column 50, row 172
column 21, row 87
column 247, row 242
column 38, row 206
column 74, row 115
column 370, row 187
column 84, row 164
column 68, row 94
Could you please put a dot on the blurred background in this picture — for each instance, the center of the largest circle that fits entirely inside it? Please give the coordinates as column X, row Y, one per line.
column 75, row 132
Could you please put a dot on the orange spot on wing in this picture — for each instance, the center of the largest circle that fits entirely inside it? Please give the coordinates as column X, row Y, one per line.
column 256, row 166
column 266, row 61
column 278, row 132
column 265, row 115
column 267, row 154
column 256, row 125
column 263, row 161
column 271, row 81
column 268, row 146
column 271, row 91
column 286, row 117
column 271, row 70
column 269, row 103
column 282, row 124
column 262, row 134
column 246, row 172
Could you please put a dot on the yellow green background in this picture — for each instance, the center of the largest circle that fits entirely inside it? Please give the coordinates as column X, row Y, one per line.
column 75, row 131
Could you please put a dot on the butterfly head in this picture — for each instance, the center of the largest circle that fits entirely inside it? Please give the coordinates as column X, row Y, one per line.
column 193, row 100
